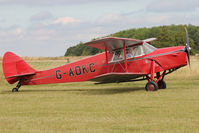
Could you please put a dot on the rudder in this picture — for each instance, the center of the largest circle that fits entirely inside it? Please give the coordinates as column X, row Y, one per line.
column 15, row 67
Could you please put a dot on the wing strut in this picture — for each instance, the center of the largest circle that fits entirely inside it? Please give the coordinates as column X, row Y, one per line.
column 107, row 67
column 125, row 60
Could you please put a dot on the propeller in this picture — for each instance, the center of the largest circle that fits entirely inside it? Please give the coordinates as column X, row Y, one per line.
column 187, row 48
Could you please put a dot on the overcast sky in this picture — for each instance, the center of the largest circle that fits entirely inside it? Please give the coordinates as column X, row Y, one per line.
column 49, row 27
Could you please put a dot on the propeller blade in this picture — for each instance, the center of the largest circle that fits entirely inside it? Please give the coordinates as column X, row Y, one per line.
column 187, row 48
column 188, row 60
column 186, row 37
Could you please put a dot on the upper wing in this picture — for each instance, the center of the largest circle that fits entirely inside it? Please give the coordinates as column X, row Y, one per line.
column 116, row 77
column 113, row 43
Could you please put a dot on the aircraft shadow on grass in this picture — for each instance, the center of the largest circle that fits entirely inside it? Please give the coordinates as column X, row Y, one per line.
column 105, row 91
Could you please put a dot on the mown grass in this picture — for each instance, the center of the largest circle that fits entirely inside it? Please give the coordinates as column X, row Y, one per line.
column 85, row 107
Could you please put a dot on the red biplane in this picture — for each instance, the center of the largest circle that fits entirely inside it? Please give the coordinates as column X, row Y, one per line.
column 124, row 60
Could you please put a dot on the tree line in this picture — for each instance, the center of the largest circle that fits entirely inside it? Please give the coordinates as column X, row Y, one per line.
column 167, row 36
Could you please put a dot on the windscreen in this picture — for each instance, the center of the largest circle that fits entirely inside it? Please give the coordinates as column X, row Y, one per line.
column 147, row 48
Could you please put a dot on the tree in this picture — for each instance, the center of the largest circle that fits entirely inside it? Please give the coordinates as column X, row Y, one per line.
column 180, row 38
column 75, row 50
column 81, row 49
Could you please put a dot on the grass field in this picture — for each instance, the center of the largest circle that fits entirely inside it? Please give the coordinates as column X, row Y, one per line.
column 109, row 108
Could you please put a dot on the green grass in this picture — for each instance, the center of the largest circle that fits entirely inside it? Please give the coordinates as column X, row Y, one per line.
column 109, row 108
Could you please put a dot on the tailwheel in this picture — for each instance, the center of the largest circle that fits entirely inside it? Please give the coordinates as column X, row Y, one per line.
column 15, row 89
column 162, row 84
column 151, row 86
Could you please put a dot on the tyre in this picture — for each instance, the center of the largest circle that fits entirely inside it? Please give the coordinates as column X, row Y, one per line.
column 162, row 84
column 15, row 90
column 151, row 86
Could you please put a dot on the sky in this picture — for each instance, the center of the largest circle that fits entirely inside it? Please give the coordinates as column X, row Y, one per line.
column 48, row 27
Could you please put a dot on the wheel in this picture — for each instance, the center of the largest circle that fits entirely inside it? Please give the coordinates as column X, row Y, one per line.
column 162, row 84
column 151, row 86
column 15, row 90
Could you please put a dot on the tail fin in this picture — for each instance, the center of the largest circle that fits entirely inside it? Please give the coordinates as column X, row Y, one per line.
column 14, row 67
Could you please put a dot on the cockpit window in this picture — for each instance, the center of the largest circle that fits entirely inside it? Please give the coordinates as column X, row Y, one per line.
column 118, row 55
column 134, row 51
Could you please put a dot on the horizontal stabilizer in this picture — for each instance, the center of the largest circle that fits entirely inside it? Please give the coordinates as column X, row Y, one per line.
column 21, row 75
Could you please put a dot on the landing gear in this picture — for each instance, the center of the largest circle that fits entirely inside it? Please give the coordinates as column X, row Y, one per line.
column 154, row 85
column 151, row 86
column 16, row 89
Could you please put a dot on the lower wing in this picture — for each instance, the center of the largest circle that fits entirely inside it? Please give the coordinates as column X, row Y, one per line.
column 116, row 77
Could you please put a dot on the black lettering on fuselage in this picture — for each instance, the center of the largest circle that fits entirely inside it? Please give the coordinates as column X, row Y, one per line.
column 92, row 69
column 84, row 69
column 71, row 72
column 58, row 74
column 78, row 72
